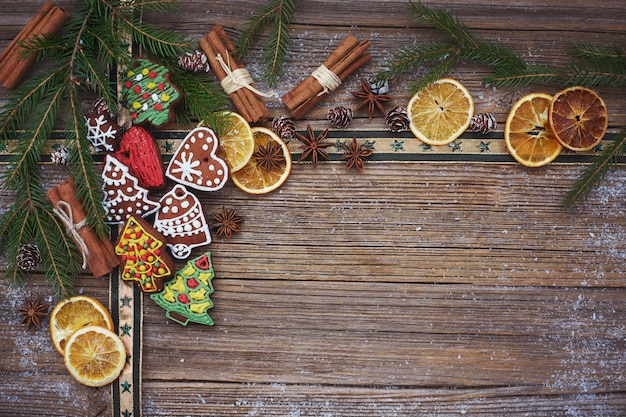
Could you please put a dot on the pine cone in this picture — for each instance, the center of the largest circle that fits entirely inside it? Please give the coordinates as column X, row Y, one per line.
column 59, row 157
column 397, row 119
column 284, row 127
column 28, row 257
column 483, row 123
column 340, row 117
column 196, row 62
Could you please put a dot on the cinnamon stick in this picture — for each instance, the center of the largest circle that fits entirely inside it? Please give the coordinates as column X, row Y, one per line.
column 13, row 66
column 99, row 254
column 247, row 102
column 349, row 56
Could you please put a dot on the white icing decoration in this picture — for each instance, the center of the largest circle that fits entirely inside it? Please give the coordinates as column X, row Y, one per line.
column 155, row 97
column 184, row 204
column 174, row 209
column 186, row 167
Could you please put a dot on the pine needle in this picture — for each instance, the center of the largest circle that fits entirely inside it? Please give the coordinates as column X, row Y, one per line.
column 275, row 15
column 596, row 171
column 79, row 60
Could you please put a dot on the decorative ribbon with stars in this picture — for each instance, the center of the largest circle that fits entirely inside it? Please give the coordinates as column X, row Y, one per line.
column 126, row 310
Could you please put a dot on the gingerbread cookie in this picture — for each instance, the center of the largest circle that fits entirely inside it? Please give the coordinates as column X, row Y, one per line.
column 195, row 163
column 149, row 93
column 186, row 297
column 181, row 220
column 140, row 153
column 102, row 129
column 141, row 249
column 123, row 196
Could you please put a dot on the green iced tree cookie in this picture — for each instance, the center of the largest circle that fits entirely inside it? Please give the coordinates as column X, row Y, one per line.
column 149, row 93
column 186, row 297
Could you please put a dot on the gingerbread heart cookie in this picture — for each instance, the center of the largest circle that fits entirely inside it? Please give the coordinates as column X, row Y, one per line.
column 181, row 220
column 123, row 196
column 149, row 93
column 140, row 153
column 196, row 164
column 144, row 259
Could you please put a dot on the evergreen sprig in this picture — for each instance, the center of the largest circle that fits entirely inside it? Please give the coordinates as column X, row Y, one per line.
column 81, row 58
column 275, row 15
column 595, row 172
column 593, row 66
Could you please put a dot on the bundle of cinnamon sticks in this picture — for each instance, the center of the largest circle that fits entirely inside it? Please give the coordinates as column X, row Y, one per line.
column 349, row 55
column 220, row 50
column 98, row 253
column 13, row 66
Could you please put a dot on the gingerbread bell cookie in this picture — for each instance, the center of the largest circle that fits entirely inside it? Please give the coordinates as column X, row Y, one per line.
column 186, row 298
column 140, row 153
column 123, row 196
column 181, row 220
column 196, row 164
column 150, row 95
column 141, row 249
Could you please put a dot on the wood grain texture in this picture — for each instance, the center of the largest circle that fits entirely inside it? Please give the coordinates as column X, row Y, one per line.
column 413, row 288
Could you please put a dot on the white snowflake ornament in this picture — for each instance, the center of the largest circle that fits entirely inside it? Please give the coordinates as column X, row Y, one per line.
column 102, row 130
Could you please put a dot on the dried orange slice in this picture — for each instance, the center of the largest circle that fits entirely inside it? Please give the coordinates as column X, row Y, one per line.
column 440, row 112
column 237, row 144
column 260, row 178
column 75, row 313
column 527, row 134
column 578, row 118
column 95, row 356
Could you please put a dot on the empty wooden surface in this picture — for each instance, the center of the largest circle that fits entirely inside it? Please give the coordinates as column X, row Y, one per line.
column 441, row 288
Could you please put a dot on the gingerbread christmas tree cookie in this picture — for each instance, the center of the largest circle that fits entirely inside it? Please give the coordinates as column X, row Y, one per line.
column 181, row 220
column 142, row 251
column 186, row 297
column 149, row 93
column 123, row 196
column 196, row 163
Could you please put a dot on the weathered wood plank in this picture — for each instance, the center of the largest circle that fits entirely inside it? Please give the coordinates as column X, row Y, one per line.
column 430, row 288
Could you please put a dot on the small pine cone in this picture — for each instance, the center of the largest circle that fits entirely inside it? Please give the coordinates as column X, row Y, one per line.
column 397, row 119
column 28, row 257
column 284, row 127
column 196, row 62
column 340, row 117
column 483, row 123
column 59, row 157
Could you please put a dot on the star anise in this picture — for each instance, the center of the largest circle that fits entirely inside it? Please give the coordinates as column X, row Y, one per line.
column 269, row 156
column 370, row 99
column 355, row 154
column 33, row 312
column 227, row 222
column 313, row 145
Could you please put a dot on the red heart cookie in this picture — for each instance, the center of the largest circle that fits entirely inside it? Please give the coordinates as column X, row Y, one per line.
column 196, row 164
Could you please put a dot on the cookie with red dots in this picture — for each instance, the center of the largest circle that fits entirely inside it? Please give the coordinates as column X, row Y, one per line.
column 149, row 93
column 143, row 256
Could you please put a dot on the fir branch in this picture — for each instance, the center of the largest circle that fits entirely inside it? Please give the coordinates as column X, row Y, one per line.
column 276, row 15
column 597, row 170
column 203, row 99
column 90, row 43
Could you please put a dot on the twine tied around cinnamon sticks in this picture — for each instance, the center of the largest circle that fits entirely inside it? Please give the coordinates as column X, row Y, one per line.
column 327, row 79
column 97, row 252
column 64, row 211
column 238, row 78
column 233, row 76
column 349, row 56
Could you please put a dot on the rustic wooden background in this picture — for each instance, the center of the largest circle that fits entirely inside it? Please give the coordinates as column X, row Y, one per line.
column 414, row 288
